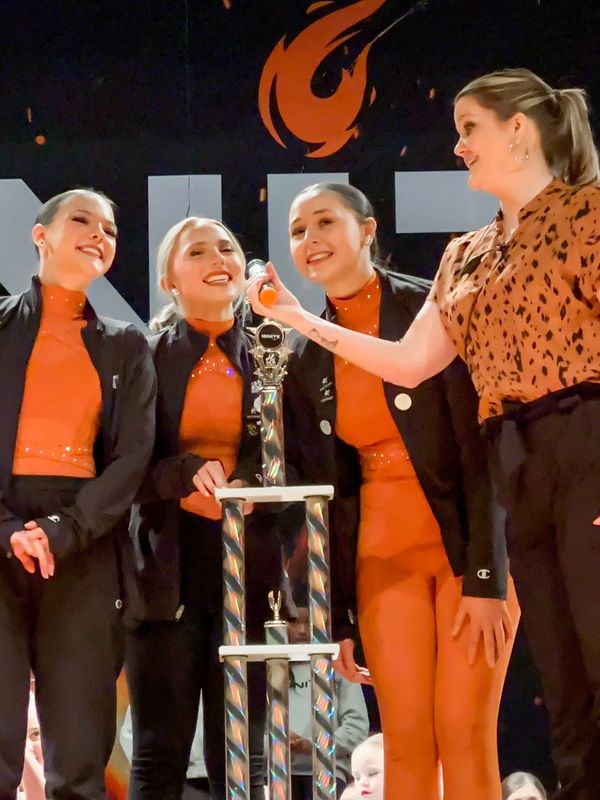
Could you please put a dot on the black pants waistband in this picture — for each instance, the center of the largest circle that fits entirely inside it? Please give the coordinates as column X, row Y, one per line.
column 561, row 402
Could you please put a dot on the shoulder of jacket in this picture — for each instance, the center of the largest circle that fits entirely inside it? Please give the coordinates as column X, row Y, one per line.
column 411, row 284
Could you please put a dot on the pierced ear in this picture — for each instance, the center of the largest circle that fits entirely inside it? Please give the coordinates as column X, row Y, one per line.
column 37, row 234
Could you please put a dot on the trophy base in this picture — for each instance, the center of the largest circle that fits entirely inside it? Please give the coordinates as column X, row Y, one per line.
column 291, row 652
column 274, row 494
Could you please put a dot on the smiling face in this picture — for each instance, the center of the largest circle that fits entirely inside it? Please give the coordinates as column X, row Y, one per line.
column 207, row 269
column 78, row 245
column 485, row 143
column 367, row 770
column 329, row 244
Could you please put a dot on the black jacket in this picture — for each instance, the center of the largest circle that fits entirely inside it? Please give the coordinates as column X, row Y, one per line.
column 157, row 515
column 441, row 433
column 122, row 450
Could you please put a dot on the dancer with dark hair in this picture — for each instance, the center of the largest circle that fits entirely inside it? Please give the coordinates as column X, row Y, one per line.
column 414, row 547
column 76, row 436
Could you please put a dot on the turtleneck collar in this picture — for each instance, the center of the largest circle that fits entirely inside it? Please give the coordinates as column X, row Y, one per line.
column 62, row 302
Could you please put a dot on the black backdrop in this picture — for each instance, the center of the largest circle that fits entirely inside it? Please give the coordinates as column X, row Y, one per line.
column 123, row 90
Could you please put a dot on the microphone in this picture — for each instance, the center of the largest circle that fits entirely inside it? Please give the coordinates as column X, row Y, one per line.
column 268, row 293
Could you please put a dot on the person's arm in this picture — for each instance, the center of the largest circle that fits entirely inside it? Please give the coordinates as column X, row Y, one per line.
column 104, row 500
column 353, row 718
column 485, row 579
column 425, row 349
column 170, row 478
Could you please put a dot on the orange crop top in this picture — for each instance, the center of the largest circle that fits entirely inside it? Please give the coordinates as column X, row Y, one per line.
column 211, row 422
column 62, row 399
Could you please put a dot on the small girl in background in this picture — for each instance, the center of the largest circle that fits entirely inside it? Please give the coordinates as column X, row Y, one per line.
column 522, row 786
column 367, row 770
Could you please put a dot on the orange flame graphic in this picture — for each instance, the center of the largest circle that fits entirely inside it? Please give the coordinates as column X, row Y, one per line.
column 288, row 73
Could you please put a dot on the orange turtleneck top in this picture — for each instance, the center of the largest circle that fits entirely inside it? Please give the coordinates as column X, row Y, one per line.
column 211, row 422
column 393, row 504
column 62, row 399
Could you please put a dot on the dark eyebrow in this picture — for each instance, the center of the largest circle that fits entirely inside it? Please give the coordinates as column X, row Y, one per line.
column 108, row 222
column 319, row 211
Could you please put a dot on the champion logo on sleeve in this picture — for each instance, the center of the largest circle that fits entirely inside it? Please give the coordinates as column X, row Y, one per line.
column 54, row 518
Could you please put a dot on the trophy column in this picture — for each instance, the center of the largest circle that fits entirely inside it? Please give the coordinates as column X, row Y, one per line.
column 270, row 354
column 234, row 635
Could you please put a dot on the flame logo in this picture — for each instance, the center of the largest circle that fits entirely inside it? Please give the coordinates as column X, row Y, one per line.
column 287, row 76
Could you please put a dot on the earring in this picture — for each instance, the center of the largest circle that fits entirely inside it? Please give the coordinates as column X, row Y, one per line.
column 516, row 156
column 175, row 292
column 368, row 241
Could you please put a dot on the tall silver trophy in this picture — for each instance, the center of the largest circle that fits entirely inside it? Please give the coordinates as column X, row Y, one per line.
column 270, row 354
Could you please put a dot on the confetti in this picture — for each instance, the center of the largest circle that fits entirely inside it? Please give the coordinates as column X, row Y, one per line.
column 373, row 96
column 318, row 5
column 404, row 151
column 262, row 195
column 40, row 139
column 29, row 114
column 431, row 93
column 227, row 4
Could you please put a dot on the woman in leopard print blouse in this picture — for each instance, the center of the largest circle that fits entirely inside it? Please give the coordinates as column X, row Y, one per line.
column 519, row 301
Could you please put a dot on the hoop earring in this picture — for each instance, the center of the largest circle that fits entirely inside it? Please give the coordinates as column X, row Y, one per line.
column 516, row 157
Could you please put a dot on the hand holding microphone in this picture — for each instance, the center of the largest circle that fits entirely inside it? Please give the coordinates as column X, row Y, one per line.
column 267, row 294
column 270, row 298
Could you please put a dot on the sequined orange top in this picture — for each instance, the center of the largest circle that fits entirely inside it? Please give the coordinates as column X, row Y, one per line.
column 62, row 400
column 211, row 422
column 363, row 419
column 525, row 316
column 396, row 520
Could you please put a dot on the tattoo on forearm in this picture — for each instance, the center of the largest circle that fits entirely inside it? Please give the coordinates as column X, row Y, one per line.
column 330, row 344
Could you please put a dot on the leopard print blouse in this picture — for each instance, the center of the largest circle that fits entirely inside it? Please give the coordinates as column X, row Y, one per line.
column 525, row 315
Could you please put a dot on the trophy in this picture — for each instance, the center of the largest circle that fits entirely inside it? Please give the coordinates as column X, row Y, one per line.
column 270, row 354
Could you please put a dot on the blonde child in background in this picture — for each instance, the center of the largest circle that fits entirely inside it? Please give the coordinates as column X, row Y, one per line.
column 367, row 770
column 523, row 786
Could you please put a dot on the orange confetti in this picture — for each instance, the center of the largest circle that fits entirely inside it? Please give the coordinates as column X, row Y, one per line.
column 40, row 139
column 227, row 4
column 404, row 151
column 356, row 132
column 262, row 196
column 28, row 114
column 431, row 93
column 373, row 96
column 317, row 5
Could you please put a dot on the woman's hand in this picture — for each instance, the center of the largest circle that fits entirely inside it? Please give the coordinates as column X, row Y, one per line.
column 346, row 666
column 31, row 545
column 211, row 476
column 489, row 620
column 287, row 306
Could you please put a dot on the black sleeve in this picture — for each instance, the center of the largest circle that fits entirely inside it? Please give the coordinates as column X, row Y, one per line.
column 170, row 478
column 249, row 468
column 105, row 499
column 487, row 566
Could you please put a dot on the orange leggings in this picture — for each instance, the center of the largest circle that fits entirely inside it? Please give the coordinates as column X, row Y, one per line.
column 435, row 708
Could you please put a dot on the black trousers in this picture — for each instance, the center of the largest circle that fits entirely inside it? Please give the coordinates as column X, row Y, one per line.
column 67, row 630
column 302, row 787
column 547, row 474
column 169, row 663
